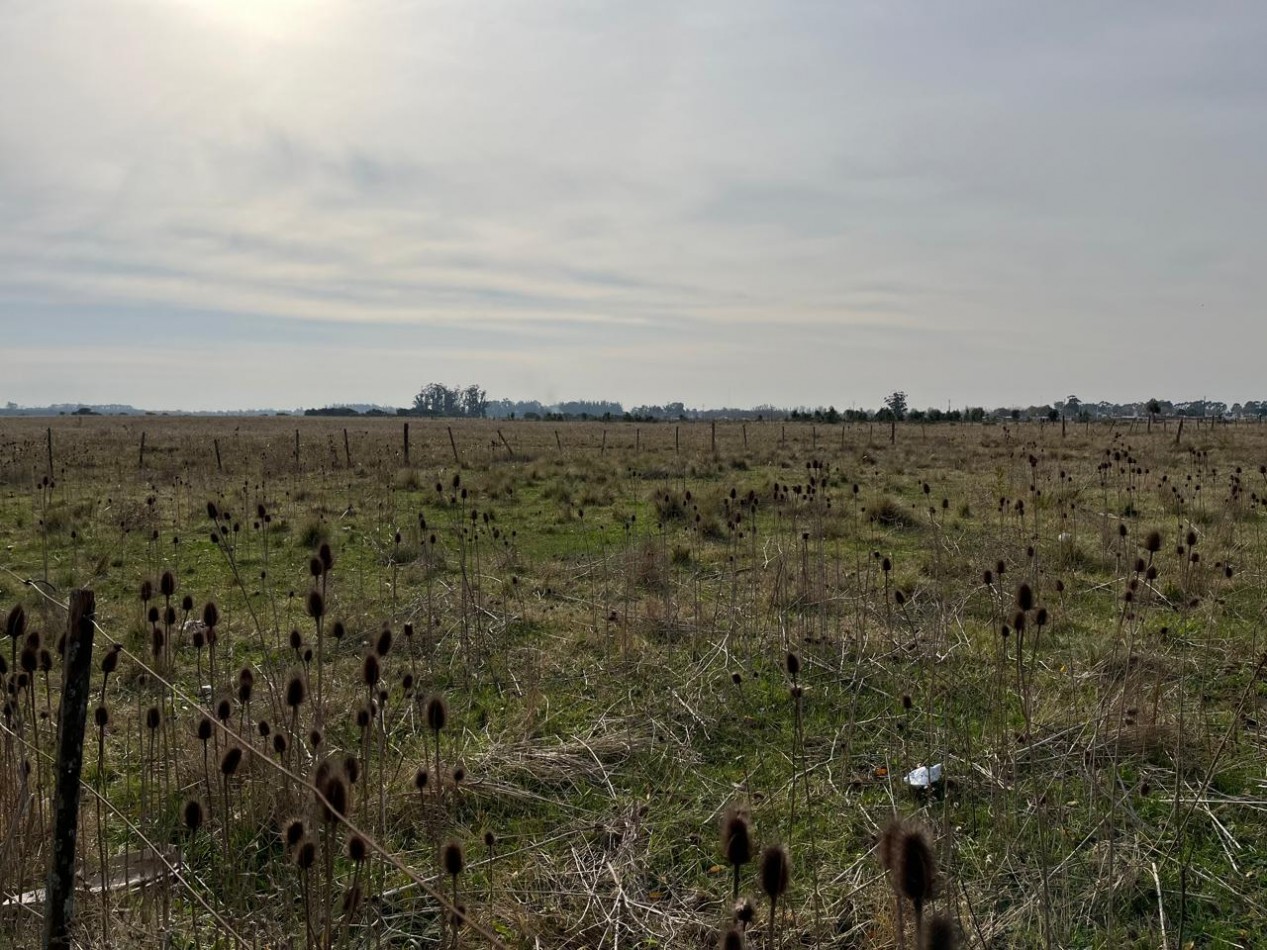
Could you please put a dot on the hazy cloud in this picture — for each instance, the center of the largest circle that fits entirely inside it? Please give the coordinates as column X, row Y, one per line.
column 726, row 202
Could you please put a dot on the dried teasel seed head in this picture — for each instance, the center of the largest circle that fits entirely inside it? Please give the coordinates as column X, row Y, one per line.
column 452, row 858
column 736, row 836
column 335, row 792
column 1025, row 597
column 210, row 615
column 437, row 713
column 775, row 871
column 916, row 868
column 305, row 854
column 192, row 814
column 316, row 604
column 230, row 761
column 296, row 691
column 246, row 684
column 358, row 849
column 204, row 729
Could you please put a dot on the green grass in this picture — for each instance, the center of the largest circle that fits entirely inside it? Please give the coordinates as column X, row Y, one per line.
column 586, row 636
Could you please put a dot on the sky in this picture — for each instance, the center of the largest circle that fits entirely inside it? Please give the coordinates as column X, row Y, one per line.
column 279, row 203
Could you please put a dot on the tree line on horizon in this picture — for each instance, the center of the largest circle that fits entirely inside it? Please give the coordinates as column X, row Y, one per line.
column 436, row 400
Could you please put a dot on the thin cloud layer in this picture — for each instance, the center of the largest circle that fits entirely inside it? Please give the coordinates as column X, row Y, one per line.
column 724, row 203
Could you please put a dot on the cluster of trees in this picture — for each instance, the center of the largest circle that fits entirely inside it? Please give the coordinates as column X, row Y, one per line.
column 438, row 400
column 572, row 409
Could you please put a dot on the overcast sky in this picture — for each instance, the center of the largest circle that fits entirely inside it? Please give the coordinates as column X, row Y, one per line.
column 241, row 203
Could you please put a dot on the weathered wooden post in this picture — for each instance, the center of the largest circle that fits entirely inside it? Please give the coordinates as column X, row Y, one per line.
column 347, row 448
column 219, row 466
column 453, row 442
column 59, row 908
column 406, row 443
column 141, row 465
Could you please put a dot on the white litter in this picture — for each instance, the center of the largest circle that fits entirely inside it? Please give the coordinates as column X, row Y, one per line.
column 925, row 777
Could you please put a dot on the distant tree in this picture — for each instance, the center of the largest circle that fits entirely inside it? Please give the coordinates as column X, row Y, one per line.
column 474, row 402
column 1154, row 410
column 1053, row 414
column 895, row 402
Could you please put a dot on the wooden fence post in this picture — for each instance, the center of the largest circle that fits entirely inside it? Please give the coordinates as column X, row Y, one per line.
column 59, row 896
column 406, row 443
column 453, row 442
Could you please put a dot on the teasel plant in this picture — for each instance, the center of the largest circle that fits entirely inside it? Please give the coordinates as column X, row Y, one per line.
column 907, row 856
column 452, row 863
column 775, row 871
column 736, row 843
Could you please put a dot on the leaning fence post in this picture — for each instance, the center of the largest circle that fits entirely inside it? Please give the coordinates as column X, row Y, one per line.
column 59, row 905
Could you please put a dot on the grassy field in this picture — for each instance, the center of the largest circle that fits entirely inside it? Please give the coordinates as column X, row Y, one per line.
column 629, row 632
